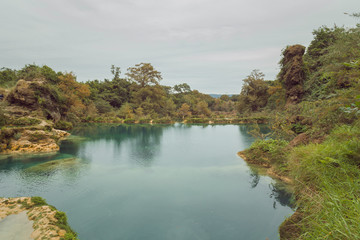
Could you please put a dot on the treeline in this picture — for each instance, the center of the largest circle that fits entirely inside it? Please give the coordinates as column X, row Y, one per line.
column 138, row 96
column 306, row 75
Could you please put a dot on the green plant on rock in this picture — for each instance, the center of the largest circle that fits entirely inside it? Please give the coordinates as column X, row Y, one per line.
column 38, row 201
column 63, row 125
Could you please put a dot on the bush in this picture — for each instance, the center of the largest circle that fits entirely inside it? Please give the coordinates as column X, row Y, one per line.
column 36, row 136
column 25, row 121
column 144, row 120
column 129, row 120
column 268, row 152
column 162, row 121
column 38, row 201
column 198, row 120
column 63, row 125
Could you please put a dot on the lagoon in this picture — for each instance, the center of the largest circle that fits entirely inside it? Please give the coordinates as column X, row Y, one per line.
column 153, row 182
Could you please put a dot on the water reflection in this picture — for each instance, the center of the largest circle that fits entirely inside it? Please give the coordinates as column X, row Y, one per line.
column 279, row 191
column 255, row 178
column 281, row 194
column 142, row 142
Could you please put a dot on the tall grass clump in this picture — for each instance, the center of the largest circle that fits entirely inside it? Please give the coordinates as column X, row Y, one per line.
column 268, row 152
column 327, row 180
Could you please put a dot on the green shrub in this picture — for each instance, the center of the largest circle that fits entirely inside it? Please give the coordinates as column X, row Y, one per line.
column 38, row 201
column 25, row 121
column 129, row 120
column 70, row 236
column 63, row 125
column 268, row 152
column 144, row 120
column 222, row 121
column 63, row 224
column 61, row 217
column 198, row 120
column 36, row 136
column 162, row 121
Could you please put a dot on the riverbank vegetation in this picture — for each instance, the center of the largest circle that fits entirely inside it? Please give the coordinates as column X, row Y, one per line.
column 316, row 136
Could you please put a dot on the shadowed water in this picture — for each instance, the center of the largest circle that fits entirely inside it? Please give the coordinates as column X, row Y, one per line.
column 153, row 182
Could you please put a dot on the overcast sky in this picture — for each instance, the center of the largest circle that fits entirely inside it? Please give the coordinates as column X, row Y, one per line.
column 210, row 44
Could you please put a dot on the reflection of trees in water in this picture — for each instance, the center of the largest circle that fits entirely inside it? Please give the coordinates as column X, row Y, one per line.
column 144, row 140
column 246, row 128
column 279, row 192
column 281, row 195
column 146, row 144
column 255, row 178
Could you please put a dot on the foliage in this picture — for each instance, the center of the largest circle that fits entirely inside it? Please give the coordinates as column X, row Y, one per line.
column 144, row 74
column 197, row 120
column 268, row 152
column 182, row 88
column 63, row 224
column 129, row 120
column 333, row 61
column 327, row 185
column 38, row 201
column 25, row 121
column 292, row 73
column 165, row 120
column 63, row 125
column 8, row 77
column 126, row 111
column 184, row 111
column 254, row 93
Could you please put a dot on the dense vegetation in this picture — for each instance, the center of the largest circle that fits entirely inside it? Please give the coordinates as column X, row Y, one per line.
column 316, row 138
column 136, row 97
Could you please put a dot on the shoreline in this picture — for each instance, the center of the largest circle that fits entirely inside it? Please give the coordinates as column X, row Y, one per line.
column 288, row 229
column 270, row 170
column 48, row 222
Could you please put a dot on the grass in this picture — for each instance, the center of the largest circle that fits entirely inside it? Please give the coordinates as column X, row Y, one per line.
column 327, row 180
column 63, row 224
column 268, row 152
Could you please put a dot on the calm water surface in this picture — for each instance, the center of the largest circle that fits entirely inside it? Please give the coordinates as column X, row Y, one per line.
column 153, row 182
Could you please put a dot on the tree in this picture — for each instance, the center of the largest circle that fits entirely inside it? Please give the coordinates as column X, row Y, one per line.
column 184, row 111
column 292, row 74
column 254, row 93
column 202, row 108
column 182, row 88
column 8, row 77
column 144, row 74
column 126, row 111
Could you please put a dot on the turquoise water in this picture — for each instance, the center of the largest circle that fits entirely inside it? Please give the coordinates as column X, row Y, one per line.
column 153, row 182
